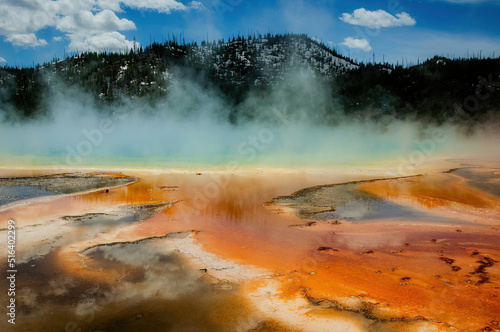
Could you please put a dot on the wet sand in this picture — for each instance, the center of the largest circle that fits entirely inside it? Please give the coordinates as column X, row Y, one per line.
column 179, row 251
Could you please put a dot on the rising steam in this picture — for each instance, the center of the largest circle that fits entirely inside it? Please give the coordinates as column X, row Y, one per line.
column 285, row 126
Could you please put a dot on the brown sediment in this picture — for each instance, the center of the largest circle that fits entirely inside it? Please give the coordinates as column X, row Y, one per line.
column 333, row 262
column 307, row 224
column 326, row 249
column 447, row 260
column 480, row 271
column 145, row 211
column 83, row 217
column 366, row 308
column 110, row 244
column 270, row 325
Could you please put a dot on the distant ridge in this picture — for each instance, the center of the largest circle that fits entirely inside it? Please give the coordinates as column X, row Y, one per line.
column 436, row 90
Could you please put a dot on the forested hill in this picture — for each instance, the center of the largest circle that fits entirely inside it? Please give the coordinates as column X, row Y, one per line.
column 436, row 90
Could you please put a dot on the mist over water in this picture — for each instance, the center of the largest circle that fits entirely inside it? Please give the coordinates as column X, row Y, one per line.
column 286, row 126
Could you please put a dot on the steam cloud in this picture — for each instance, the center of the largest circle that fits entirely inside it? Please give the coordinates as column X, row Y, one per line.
column 283, row 127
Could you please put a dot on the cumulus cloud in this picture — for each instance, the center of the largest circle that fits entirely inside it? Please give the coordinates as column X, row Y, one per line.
column 377, row 19
column 25, row 40
column 111, row 41
column 23, row 17
column 161, row 6
column 86, row 22
column 96, row 32
column 89, row 23
column 362, row 44
column 2, row 60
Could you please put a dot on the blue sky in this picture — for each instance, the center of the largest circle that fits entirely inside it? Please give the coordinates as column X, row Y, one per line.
column 36, row 31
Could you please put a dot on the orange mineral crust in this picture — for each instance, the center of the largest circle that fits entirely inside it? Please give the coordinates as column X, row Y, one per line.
column 443, row 271
column 443, row 193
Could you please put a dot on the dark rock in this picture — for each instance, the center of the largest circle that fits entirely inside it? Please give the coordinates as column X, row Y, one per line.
column 447, row 260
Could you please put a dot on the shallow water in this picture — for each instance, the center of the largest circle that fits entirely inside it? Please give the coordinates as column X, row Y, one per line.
column 487, row 180
column 10, row 194
column 157, row 291
column 157, row 284
column 346, row 202
column 21, row 188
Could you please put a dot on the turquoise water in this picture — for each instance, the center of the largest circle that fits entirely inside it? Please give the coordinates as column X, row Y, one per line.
column 81, row 139
column 223, row 163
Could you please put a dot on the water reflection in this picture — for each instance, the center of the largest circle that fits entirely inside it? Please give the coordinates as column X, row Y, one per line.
column 155, row 289
column 487, row 180
column 149, row 284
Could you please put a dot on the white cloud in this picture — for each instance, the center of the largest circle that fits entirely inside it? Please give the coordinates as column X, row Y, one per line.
column 24, row 16
column 2, row 60
column 161, row 6
column 57, row 38
column 362, row 44
column 21, row 19
column 110, row 4
column 89, row 32
column 107, row 41
column 377, row 19
column 86, row 22
column 69, row 7
column 99, row 32
column 17, row 18
column 25, row 40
